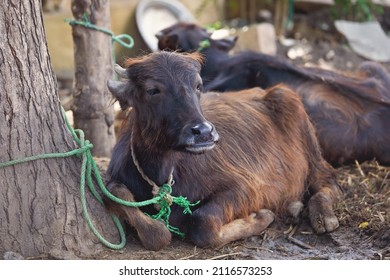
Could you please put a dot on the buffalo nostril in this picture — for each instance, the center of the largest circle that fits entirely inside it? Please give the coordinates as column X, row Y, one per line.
column 202, row 129
column 195, row 131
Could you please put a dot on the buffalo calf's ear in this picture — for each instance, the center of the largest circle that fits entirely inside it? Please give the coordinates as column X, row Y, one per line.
column 197, row 57
column 120, row 92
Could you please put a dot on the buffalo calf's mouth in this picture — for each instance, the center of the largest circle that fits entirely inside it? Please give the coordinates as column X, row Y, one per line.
column 200, row 148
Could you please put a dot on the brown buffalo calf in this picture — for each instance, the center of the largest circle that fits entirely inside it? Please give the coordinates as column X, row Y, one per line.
column 245, row 155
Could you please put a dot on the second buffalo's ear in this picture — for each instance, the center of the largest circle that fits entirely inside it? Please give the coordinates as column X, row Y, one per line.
column 227, row 43
column 167, row 42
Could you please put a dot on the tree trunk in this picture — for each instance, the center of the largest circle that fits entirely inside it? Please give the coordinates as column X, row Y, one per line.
column 93, row 63
column 281, row 16
column 40, row 209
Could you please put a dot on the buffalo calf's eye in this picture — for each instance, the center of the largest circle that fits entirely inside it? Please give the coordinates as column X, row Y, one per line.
column 153, row 91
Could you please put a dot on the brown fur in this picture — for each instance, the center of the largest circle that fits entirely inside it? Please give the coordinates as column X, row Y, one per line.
column 266, row 160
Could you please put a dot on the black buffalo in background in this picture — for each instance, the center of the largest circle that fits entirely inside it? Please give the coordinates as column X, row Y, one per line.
column 351, row 112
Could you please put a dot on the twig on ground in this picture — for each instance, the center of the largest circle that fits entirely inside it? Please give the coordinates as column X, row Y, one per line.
column 225, row 255
column 299, row 243
column 369, row 194
column 380, row 216
column 359, row 168
column 259, row 248
column 296, row 241
column 384, row 180
column 307, row 232
column 289, row 230
column 187, row 257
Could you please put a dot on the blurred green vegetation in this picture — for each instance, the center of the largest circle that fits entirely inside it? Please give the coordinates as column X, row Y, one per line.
column 356, row 10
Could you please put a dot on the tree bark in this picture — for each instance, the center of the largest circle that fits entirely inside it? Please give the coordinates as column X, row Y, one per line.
column 281, row 16
column 40, row 209
column 93, row 62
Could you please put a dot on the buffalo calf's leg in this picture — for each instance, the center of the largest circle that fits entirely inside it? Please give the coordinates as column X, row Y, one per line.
column 295, row 208
column 153, row 234
column 211, row 232
column 255, row 224
column 321, row 213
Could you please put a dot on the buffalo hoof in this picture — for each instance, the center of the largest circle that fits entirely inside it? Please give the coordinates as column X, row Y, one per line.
column 156, row 237
column 321, row 214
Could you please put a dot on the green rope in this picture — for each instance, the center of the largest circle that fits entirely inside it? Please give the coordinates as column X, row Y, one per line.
column 163, row 198
column 85, row 151
column 119, row 38
column 50, row 155
column 165, row 210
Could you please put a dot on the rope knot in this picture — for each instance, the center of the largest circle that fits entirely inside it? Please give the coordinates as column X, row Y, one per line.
column 165, row 192
column 165, row 201
column 185, row 204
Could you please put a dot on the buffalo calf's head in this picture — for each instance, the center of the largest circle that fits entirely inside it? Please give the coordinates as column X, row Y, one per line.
column 164, row 90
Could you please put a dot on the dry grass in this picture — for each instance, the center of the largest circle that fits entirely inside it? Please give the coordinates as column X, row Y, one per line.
column 366, row 205
column 367, row 189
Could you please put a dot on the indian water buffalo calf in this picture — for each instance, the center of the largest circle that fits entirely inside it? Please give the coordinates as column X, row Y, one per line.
column 245, row 155
column 351, row 112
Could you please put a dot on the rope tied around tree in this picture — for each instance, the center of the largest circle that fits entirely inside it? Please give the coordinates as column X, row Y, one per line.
column 118, row 39
column 164, row 198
